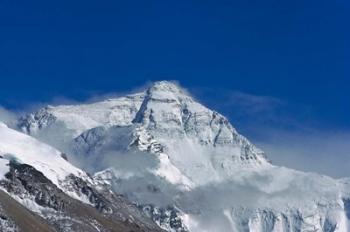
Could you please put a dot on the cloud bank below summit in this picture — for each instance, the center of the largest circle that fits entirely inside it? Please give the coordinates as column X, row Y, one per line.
column 287, row 140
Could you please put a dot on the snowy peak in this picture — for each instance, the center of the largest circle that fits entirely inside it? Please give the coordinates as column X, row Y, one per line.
column 169, row 108
column 171, row 116
column 166, row 90
column 163, row 103
column 162, row 148
column 164, row 116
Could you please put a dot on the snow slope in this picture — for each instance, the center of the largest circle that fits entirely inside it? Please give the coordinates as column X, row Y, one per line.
column 22, row 148
column 188, row 167
column 72, row 120
column 59, row 195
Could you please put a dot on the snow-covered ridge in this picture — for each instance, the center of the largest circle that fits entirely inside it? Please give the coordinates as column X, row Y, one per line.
column 79, row 118
column 23, row 149
column 46, row 159
column 39, row 177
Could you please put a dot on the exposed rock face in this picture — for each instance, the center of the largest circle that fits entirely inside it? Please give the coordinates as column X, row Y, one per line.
column 168, row 218
column 14, row 217
column 187, row 167
column 63, row 213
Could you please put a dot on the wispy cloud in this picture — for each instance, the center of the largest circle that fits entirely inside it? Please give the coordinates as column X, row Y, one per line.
column 252, row 104
column 322, row 151
column 286, row 133
column 247, row 110
column 7, row 116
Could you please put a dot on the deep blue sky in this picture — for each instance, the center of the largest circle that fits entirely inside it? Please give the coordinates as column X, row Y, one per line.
column 297, row 51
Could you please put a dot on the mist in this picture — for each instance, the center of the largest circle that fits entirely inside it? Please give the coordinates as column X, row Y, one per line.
column 8, row 117
column 288, row 132
column 325, row 152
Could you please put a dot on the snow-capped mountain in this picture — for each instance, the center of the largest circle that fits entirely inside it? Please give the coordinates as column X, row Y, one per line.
column 41, row 191
column 187, row 167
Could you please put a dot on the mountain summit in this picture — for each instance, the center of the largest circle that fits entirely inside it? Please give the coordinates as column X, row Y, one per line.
column 159, row 119
column 186, row 166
